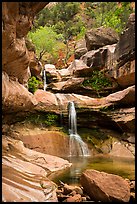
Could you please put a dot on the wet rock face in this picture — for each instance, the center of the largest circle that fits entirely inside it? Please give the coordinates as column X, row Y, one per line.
column 105, row 187
column 87, row 107
column 16, row 22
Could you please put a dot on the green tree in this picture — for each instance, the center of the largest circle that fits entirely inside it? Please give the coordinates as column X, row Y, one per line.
column 109, row 14
column 63, row 19
column 45, row 40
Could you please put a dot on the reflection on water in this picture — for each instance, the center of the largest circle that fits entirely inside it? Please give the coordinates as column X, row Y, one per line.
column 124, row 167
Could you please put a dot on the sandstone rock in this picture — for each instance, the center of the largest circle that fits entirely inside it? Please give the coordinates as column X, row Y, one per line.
column 80, row 48
column 15, row 97
column 124, row 97
column 53, row 101
column 123, row 61
column 95, row 59
column 35, row 66
column 126, row 74
column 43, row 140
column 120, row 150
column 71, row 85
column 49, row 66
column 79, row 68
column 125, row 118
column 46, row 101
column 99, row 37
column 75, row 198
column 52, row 74
column 27, row 180
column 123, row 75
column 49, row 162
column 65, row 73
column 125, row 47
column 105, row 187
column 68, row 189
column 17, row 20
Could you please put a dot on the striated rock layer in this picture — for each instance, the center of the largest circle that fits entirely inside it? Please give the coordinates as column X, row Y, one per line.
column 25, row 171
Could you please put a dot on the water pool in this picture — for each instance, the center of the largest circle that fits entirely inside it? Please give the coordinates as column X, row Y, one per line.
column 124, row 167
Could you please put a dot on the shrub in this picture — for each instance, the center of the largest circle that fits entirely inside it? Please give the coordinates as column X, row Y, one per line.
column 47, row 119
column 33, row 84
column 98, row 81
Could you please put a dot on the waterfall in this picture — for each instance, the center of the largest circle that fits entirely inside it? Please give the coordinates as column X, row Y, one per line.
column 45, row 83
column 77, row 146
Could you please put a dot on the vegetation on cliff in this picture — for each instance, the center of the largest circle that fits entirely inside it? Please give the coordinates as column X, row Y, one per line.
column 55, row 27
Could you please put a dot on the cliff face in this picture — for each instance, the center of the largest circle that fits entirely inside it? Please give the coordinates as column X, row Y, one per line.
column 17, row 20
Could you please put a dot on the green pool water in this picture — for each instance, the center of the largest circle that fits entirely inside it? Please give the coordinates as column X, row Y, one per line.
column 124, row 167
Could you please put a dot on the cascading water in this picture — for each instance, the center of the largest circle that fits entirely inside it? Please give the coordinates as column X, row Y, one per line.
column 77, row 146
column 45, row 82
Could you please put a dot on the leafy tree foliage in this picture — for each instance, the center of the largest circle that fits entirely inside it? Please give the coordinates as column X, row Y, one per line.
column 109, row 14
column 45, row 40
column 63, row 18
column 56, row 26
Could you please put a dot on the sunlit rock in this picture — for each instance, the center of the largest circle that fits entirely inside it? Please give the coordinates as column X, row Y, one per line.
column 104, row 187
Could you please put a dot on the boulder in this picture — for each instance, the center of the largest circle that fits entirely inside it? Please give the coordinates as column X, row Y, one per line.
column 69, row 189
column 120, row 149
column 99, row 37
column 126, row 74
column 52, row 74
column 80, row 48
column 75, row 198
column 79, row 68
column 123, row 75
column 65, row 74
column 95, row 59
column 104, row 187
column 35, row 66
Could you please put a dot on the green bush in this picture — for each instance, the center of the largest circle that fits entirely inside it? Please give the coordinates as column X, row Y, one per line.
column 97, row 81
column 33, row 84
column 47, row 119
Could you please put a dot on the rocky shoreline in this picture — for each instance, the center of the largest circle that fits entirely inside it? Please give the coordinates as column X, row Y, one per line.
column 70, row 193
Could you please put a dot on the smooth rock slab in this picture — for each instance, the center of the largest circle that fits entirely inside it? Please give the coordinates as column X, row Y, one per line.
column 24, row 173
column 105, row 187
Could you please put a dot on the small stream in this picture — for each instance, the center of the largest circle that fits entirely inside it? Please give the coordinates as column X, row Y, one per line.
column 124, row 167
